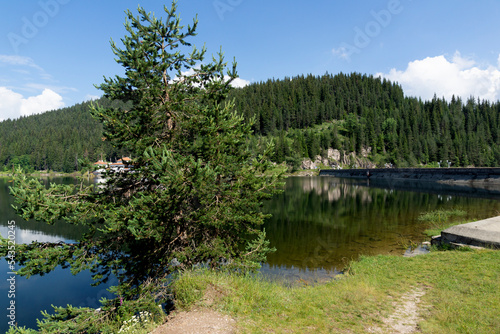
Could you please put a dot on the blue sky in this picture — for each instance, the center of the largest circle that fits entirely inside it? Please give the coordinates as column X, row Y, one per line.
column 52, row 52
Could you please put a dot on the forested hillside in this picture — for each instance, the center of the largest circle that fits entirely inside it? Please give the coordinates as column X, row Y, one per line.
column 54, row 140
column 304, row 116
column 307, row 115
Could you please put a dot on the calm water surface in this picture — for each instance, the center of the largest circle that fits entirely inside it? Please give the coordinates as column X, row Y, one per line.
column 57, row 288
column 319, row 224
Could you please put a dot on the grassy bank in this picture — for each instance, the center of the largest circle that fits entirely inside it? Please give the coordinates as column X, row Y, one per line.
column 461, row 294
column 439, row 220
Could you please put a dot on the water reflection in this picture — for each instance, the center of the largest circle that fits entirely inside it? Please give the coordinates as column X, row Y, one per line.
column 59, row 287
column 335, row 189
column 319, row 224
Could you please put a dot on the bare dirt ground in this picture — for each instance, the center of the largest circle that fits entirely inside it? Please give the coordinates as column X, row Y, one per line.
column 203, row 320
column 198, row 321
column 405, row 318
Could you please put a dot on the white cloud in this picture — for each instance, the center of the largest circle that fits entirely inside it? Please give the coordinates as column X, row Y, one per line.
column 342, row 52
column 13, row 105
column 239, row 83
column 35, row 87
column 10, row 104
column 48, row 100
column 437, row 75
column 19, row 60
column 26, row 89
column 28, row 236
column 90, row 97
column 21, row 65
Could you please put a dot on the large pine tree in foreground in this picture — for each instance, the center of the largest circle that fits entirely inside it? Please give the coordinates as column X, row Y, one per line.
column 193, row 195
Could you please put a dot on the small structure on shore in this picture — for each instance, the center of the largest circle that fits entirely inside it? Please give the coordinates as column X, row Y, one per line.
column 121, row 165
column 482, row 233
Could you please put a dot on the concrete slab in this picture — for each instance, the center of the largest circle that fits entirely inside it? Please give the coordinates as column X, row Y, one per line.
column 483, row 233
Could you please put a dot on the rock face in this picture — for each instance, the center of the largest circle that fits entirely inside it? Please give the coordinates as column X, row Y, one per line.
column 365, row 152
column 334, row 158
column 308, row 164
column 318, row 160
column 333, row 154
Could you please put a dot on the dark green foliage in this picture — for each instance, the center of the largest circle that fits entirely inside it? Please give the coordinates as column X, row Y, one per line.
column 363, row 111
column 303, row 101
column 193, row 196
column 70, row 319
column 370, row 112
column 55, row 140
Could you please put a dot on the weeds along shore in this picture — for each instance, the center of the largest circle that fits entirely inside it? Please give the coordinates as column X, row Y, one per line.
column 460, row 293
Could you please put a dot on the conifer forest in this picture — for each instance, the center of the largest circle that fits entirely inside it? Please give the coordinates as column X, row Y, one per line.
column 303, row 116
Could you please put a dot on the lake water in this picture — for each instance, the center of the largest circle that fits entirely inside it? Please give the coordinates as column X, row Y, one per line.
column 319, row 224
column 38, row 293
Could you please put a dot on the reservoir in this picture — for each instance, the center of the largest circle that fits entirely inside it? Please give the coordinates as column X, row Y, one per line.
column 318, row 225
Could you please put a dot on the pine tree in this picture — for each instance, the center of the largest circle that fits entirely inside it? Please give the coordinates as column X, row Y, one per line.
column 195, row 192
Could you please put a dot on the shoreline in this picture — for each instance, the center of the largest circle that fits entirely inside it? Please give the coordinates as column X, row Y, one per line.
column 49, row 174
column 482, row 175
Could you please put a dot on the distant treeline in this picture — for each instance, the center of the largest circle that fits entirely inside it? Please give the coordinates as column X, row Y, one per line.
column 54, row 140
column 308, row 114
column 304, row 116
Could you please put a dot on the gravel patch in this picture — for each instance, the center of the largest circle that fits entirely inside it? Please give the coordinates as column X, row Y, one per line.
column 405, row 318
column 198, row 321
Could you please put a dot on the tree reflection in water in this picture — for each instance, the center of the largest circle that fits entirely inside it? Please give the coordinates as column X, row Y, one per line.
column 319, row 224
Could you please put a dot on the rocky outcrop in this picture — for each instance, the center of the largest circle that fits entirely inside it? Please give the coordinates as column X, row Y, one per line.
column 333, row 155
column 308, row 164
column 335, row 159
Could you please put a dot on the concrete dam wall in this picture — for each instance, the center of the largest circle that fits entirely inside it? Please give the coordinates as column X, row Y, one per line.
column 445, row 175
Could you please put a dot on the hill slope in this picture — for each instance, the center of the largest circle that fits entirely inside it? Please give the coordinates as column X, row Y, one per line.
column 305, row 116
column 355, row 112
column 54, row 140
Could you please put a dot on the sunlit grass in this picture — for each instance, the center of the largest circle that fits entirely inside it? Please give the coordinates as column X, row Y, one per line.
column 442, row 219
column 441, row 215
column 462, row 295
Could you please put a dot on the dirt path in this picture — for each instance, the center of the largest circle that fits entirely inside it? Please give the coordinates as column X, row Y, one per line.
column 203, row 320
column 405, row 318
column 198, row 321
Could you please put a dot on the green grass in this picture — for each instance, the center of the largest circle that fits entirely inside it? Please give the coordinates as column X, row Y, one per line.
column 441, row 215
column 462, row 295
column 441, row 219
